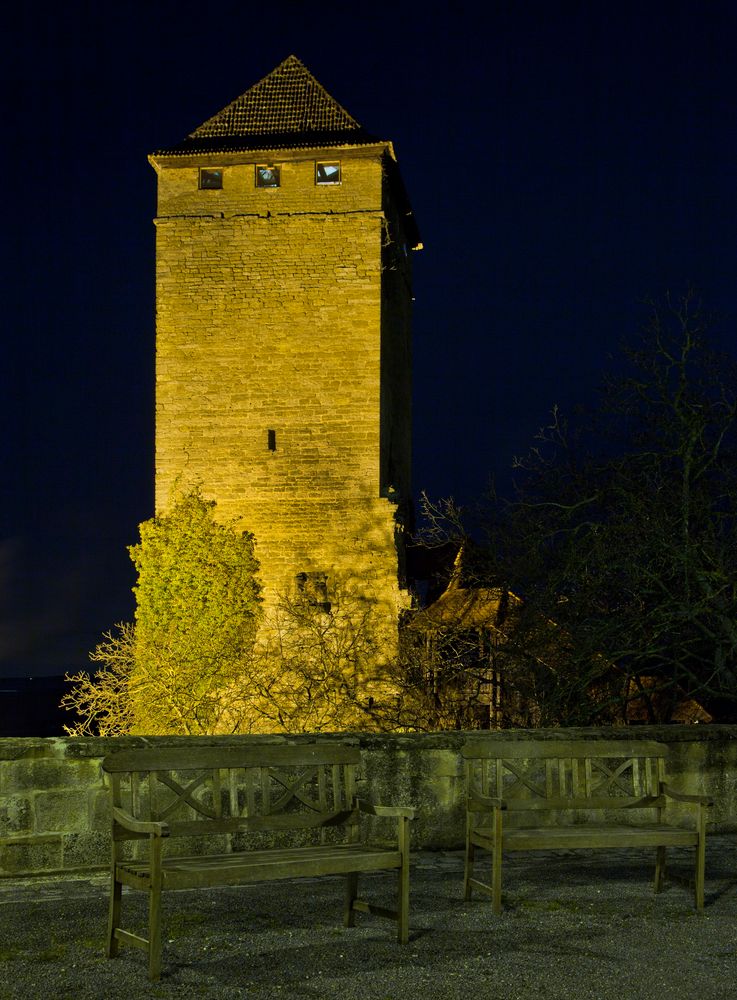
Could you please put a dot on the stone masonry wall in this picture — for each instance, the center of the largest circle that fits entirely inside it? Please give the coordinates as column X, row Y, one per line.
column 54, row 812
column 269, row 313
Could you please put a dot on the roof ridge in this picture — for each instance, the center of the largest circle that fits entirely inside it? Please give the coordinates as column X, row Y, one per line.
column 289, row 99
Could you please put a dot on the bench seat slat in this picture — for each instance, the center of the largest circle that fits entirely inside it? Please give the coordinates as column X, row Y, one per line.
column 259, row 866
column 595, row 802
column 588, row 836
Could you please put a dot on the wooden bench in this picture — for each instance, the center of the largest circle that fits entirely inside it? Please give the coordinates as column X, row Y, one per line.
column 599, row 781
column 304, row 797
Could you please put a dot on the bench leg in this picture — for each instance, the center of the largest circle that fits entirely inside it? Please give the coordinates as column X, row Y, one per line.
column 496, row 877
column 659, row 869
column 496, row 864
column 154, row 911
column 468, row 873
column 351, row 893
column 403, row 907
column 116, row 892
column 699, row 875
column 154, row 934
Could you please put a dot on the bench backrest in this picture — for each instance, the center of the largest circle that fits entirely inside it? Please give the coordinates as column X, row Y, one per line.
column 554, row 774
column 206, row 790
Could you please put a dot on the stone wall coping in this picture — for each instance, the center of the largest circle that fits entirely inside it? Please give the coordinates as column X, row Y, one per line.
column 17, row 748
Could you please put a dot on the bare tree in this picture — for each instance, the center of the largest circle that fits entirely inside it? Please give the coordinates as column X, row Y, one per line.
column 622, row 536
column 323, row 663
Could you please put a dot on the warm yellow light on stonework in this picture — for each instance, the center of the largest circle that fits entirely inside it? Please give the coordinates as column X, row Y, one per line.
column 283, row 376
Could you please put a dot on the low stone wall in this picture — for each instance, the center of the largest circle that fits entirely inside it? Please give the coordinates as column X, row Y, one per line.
column 54, row 812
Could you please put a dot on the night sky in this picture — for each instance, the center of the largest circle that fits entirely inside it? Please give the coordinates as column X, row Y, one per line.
column 565, row 162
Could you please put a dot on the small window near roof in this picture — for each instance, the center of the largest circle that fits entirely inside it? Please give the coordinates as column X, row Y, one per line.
column 267, row 176
column 211, row 179
column 327, row 173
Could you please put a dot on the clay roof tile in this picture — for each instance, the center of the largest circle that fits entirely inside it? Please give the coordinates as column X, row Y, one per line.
column 288, row 108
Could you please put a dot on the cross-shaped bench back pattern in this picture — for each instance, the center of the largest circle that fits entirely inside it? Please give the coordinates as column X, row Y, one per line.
column 534, row 774
column 244, row 791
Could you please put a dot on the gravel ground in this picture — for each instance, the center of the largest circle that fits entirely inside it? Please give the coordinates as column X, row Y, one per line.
column 576, row 926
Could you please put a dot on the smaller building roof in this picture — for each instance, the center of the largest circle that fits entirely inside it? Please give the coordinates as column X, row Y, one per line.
column 287, row 109
column 478, row 607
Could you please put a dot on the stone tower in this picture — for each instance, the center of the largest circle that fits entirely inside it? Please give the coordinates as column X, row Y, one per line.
column 283, row 336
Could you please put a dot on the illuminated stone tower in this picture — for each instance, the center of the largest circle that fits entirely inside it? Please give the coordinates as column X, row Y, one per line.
column 283, row 336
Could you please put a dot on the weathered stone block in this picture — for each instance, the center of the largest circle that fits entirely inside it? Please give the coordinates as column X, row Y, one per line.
column 61, row 810
column 48, row 773
column 100, row 810
column 30, row 854
column 22, row 748
column 16, row 815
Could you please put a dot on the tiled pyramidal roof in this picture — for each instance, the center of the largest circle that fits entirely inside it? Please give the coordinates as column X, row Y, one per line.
column 288, row 108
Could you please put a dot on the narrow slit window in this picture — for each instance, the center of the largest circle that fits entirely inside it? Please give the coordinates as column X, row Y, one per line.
column 211, row 179
column 271, row 440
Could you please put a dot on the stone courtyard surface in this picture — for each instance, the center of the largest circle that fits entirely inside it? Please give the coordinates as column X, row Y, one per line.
column 576, row 925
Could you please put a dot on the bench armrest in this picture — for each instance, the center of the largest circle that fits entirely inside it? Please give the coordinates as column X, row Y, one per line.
column 476, row 802
column 370, row 809
column 138, row 825
column 672, row 793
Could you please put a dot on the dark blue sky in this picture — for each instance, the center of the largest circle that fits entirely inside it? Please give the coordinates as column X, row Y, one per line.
column 565, row 161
